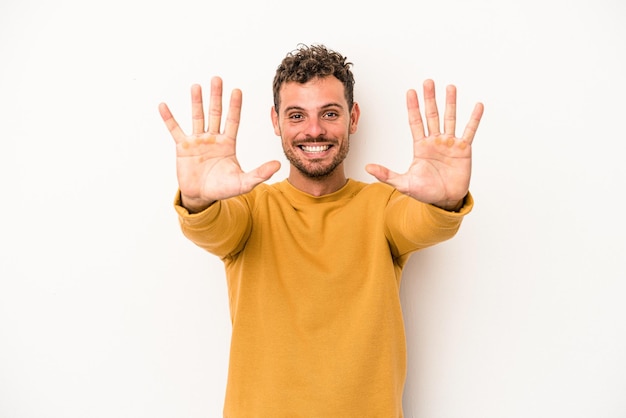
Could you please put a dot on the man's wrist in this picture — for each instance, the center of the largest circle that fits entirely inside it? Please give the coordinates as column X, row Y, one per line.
column 453, row 206
column 194, row 205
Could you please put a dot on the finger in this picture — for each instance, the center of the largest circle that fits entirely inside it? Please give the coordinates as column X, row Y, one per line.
column 449, row 117
column 415, row 116
column 381, row 173
column 259, row 175
column 171, row 123
column 197, row 109
column 472, row 125
column 430, row 108
column 215, row 106
column 234, row 114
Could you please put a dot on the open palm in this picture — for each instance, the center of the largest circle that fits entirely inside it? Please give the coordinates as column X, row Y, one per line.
column 441, row 167
column 206, row 161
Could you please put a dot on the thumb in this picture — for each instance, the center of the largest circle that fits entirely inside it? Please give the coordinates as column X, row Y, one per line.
column 267, row 170
column 387, row 176
column 378, row 171
column 260, row 174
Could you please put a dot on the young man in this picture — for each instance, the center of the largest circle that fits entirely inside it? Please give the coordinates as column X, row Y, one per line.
column 314, row 262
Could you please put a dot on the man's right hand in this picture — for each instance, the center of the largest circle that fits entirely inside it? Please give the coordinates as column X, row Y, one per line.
column 206, row 161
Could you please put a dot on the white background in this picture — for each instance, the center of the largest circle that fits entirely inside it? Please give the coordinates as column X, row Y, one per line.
column 106, row 310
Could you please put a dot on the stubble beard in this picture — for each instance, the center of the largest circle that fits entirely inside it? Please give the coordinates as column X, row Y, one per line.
column 313, row 169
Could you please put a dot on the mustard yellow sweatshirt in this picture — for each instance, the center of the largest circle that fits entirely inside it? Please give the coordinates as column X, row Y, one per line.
column 313, row 282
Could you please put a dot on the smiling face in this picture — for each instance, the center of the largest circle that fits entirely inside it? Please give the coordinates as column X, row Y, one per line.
column 315, row 123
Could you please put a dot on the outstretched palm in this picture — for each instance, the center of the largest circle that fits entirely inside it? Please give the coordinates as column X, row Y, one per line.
column 206, row 161
column 441, row 168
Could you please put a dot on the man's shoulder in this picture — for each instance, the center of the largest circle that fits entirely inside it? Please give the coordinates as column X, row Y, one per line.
column 374, row 189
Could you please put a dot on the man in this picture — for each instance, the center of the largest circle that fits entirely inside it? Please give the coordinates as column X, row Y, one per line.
column 314, row 262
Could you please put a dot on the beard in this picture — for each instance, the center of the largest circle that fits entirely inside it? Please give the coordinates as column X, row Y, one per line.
column 315, row 168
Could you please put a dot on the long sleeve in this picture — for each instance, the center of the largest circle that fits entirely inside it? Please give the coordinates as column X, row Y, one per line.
column 412, row 225
column 221, row 229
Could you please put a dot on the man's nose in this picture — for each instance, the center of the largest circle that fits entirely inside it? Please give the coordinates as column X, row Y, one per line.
column 314, row 128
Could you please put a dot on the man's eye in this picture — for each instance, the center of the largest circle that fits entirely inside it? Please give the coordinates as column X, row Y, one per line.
column 330, row 115
column 295, row 116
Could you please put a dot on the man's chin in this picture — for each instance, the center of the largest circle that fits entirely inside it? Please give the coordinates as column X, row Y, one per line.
column 316, row 172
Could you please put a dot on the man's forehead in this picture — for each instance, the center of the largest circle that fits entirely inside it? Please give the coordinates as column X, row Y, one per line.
column 315, row 93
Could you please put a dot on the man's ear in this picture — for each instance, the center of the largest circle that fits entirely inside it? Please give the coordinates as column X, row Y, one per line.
column 274, row 116
column 354, row 117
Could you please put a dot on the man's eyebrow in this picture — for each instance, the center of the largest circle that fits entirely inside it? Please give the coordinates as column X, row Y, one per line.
column 326, row 106
column 332, row 105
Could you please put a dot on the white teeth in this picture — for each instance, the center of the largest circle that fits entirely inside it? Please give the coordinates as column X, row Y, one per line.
column 314, row 148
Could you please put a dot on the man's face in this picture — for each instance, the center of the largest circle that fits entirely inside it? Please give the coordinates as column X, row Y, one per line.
column 315, row 124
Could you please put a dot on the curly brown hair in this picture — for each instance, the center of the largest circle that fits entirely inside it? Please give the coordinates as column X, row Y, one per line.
column 308, row 62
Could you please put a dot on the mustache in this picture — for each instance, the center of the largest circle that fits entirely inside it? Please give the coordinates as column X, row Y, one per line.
column 311, row 140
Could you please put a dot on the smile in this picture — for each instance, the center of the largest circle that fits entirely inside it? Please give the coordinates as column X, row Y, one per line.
column 314, row 148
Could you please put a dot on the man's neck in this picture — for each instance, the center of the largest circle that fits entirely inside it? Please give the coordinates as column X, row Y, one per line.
column 318, row 186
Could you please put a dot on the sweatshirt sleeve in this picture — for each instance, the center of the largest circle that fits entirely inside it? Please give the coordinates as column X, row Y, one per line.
column 412, row 225
column 221, row 229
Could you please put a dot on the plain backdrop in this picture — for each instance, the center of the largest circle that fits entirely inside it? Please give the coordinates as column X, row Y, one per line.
column 106, row 310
